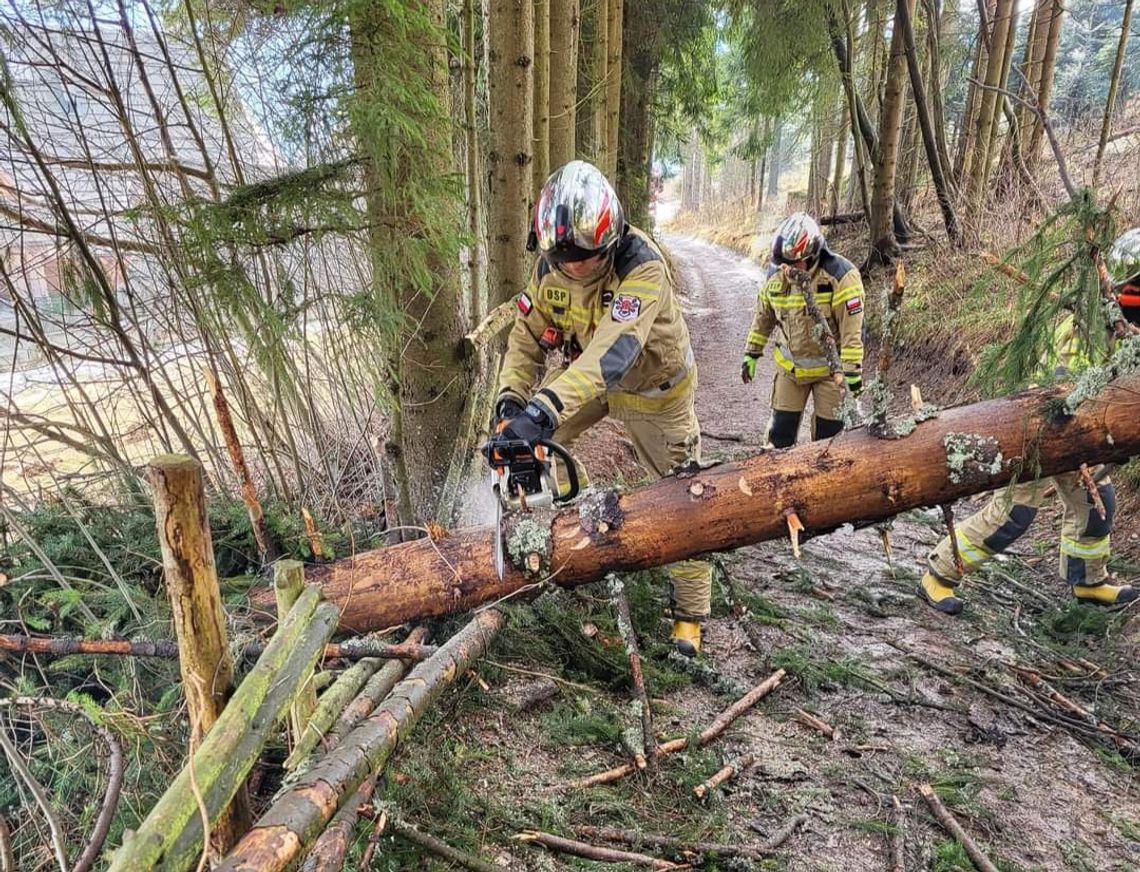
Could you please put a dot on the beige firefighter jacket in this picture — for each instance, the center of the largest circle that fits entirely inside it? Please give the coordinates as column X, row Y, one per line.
column 622, row 335
column 781, row 308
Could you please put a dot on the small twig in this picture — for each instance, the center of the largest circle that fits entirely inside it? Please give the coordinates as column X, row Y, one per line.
column 636, row 840
column 594, row 852
column 826, row 338
column 17, row 763
column 710, row 733
column 948, row 517
column 438, row 847
column 784, row 833
column 810, row 720
column 955, row 829
column 898, row 836
column 564, row 681
column 795, row 527
column 7, row 860
column 377, row 831
column 625, row 625
column 732, row 769
column 1094, row 491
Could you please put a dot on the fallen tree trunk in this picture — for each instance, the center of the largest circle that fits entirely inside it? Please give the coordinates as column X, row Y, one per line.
column 853, row 477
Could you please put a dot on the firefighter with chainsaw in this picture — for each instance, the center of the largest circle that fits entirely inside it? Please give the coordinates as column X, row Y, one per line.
column 802, row 261
column 1085, row 531
column 602, row 299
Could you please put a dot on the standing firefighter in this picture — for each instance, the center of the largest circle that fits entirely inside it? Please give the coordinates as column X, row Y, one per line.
column 602, row 294
column 1085, row 542
column 799, row 249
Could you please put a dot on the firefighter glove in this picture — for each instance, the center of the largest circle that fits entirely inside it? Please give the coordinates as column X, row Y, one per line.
column 748, row 368
column 855, row 384
column 531, row 426
column 507, row 408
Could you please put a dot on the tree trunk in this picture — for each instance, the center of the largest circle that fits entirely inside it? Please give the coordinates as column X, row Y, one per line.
column 861, row 130
column 615, row 10
column 1043, row 84
column 884, row 246
column 829, row 483
column 599, row 82
column 476, row 304
column 301, row 812
column 774, row 159
column 903, row 23
column 840, row 159
column 969, row 124
column 541, row 165
column 198, row 615
column 564, row 32
column 978, row 158
column 937, row 107
column 640, row 57
column 1113, row 87
column 510, row 44
column 415, row 227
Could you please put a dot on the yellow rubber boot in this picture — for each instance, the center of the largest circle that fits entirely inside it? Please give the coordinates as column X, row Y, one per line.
column 1107, row 593
column 687, row 637
column 938, row 595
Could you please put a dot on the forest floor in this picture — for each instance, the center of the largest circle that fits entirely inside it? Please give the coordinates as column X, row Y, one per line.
column 916, row 696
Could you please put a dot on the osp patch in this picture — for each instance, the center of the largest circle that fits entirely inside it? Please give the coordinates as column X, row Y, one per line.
column 855, row 306
column 626, row 307
column 524, row 303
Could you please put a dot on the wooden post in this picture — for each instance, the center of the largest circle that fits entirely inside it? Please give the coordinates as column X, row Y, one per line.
column 288, row 583
column 196, row 604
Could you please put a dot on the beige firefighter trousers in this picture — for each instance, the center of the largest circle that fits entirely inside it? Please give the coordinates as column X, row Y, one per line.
column 665, row 434
column 790, row 395
column 1084, row 534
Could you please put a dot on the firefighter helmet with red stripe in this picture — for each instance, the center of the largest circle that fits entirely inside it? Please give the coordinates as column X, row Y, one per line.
column 798, row 238
column 578, row 214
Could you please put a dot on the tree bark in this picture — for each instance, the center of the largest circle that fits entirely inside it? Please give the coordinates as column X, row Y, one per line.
column 599, row 83
column 774, row 159
column 635, row 133
column 884, row 245
column 615, row 12
column 171, row 836
column 541, row 166
column 198, row 614
column 937, row 107
column 978, row 157
column 415, row 221
column 1043, row 84
column 852, row 477
column 510, row 46
column 1113, row 87
column 564, row 31
column 968, row 127
column 288, row 585
column 302, row 811
column 476, row 304
column 903, row 23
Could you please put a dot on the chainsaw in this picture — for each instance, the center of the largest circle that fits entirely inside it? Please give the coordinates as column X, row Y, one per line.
column 524, row 477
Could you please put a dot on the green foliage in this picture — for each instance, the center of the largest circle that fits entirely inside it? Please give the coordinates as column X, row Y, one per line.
column 1061, row 278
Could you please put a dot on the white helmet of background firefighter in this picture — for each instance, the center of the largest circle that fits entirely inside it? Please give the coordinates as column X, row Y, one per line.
column 798, row 238
column 1123, row 264
column 578, row 215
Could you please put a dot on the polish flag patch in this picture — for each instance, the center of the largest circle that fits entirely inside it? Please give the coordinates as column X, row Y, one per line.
column 855, row 306
column 626, row 307
column 524, row 303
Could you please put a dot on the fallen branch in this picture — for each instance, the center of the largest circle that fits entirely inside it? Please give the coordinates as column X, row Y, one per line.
column 732, row 769
column 1123, row 742
column 810, row 720
column 948, row 517
column 490, row 327
column 709, row 734
column 955, row 829
column 898, row 836
column 373, row 692
column 303, row 810
column 167, row 649
column 330, row 850
column 635, row 839
column 802, row 279
column 625, row 625
column 783, row 834
column 594, row 852
column 1093, row 491
column 172, row 831
column 1003, row 267
column 437, row 846
column 842, row 218
column 330, row 705
column 114, row 773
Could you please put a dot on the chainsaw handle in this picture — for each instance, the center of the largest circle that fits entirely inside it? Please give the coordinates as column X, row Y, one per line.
column 571, row 468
